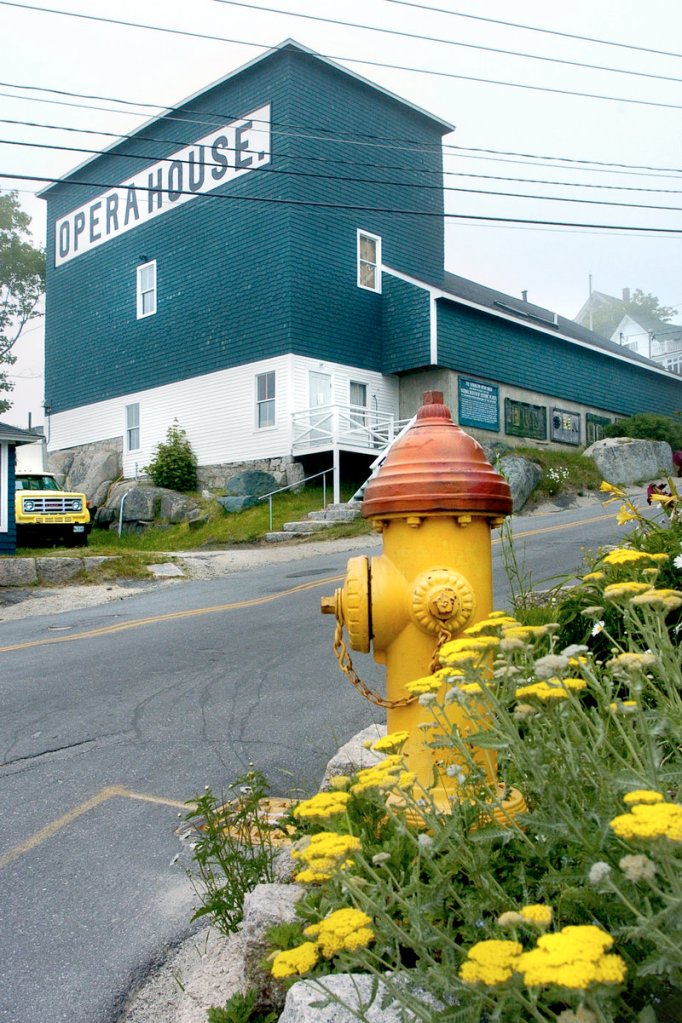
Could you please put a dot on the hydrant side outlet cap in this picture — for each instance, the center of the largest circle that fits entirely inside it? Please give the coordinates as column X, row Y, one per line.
column 436, row 467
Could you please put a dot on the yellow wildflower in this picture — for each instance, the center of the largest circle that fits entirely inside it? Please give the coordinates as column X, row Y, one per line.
column 593, row 577
column 525, row 631
column 324, row 804
column 663, row 498
column 625, row 706
column 624, row 515
column 490, row 962
column 343, row 929
column 574, row 958
column 323, row 854
column 383, row 775
column 627, row 589
column 428, row 684
column 626, row 556
column 650, row 821
column 610, row 488
column 642, row 796
column 498, row 614
column 497, row 622
column 391, row 743
column 339, row 781
column 668, row 600
column 295, row 961
column 551, row 689
column 469, row 688
column 632, row 661
column 537, row 914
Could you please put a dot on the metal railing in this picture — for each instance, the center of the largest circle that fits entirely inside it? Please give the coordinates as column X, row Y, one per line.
column 299, row 483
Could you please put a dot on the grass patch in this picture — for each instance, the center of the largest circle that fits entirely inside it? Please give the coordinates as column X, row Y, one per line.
column 562, row 471
column 222, row 530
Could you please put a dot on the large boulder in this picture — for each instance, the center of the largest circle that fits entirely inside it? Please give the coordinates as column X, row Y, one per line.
column 93, row 476
column 144, row 504
column 332, row 999
column 626, row 460
column 252, row 483
column 265, row 906
column 522, row 476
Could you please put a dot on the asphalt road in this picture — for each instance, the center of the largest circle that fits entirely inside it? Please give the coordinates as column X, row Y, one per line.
column 114, row 716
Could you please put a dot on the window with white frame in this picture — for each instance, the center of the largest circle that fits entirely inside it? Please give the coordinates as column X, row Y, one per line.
column 133, row 427
column 358, row 402
column 146, row 289
column 369, row 261
column 265, row 399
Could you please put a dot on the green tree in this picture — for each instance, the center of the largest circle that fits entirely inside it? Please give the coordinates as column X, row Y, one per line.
column 22, row 282
column 649, row 305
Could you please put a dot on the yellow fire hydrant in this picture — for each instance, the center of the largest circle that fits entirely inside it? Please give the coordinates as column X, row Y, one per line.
column 434, row 500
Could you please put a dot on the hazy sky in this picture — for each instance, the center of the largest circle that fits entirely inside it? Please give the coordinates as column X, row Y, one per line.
column 542, row 139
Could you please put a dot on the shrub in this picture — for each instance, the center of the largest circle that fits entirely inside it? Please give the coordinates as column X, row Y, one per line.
column 648, row 426
column 174, row 464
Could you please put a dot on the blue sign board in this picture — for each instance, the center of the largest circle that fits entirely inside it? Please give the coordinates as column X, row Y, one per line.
column 478, row 404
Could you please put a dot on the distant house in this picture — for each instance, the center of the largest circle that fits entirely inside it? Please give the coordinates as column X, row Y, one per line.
column 602, row 313
column 10, row 437
column 656, row 339
column 265, row 263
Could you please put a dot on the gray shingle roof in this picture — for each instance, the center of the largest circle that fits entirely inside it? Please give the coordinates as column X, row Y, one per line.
column 16, row 436
column 535, row 315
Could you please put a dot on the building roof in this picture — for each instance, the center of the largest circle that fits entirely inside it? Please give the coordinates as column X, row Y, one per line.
column 653, row 325
column 14, row 435
column 535, row 316
column 286, row 44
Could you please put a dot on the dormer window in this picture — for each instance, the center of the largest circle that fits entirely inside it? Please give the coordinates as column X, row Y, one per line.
column 369, row 261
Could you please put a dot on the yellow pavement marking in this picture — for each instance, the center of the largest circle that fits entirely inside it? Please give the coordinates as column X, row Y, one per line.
column 36, row 839
column 136, row 623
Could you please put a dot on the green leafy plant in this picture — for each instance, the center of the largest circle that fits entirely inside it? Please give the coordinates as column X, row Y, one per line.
column 234, row 849
column 240, row 1009
column 174, row 464
column 648, row 426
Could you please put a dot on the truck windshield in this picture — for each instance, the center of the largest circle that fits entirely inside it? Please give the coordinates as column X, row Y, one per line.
column 35, row 483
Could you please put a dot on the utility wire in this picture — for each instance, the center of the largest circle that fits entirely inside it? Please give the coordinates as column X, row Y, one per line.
column 534, row 28
column 305, row 203
column 335, row 177
column 381, row 166
column 450, row 42
column 322, row 134
column 146, row 157
column 349, row 60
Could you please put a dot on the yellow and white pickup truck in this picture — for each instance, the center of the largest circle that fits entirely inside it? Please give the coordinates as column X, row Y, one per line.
column 44, row 512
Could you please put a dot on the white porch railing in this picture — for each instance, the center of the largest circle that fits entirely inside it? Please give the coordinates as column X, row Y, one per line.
column 343, row 426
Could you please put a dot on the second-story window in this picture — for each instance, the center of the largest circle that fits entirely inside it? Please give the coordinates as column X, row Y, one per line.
column 369, row 261
column 146, row 289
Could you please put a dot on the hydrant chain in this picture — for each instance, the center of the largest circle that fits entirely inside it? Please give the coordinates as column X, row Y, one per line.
column 346, row 665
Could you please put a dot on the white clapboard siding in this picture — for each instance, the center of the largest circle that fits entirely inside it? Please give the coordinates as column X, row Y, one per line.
column 217, row 411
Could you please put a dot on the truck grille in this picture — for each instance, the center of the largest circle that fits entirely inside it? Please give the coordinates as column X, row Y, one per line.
column 51, row 505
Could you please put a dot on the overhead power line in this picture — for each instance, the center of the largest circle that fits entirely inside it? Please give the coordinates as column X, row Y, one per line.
column 350, row 60
column 321, row 133
column 534, row 28
column 305, row 203
column 150, row 157
column 450, row 42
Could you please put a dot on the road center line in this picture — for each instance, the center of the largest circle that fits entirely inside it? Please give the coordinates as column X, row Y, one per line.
column 171, row 616
column 137, row 623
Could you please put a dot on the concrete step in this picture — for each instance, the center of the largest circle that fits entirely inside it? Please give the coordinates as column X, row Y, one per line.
column 309, row 526
column 341, row 513
column 281, row 537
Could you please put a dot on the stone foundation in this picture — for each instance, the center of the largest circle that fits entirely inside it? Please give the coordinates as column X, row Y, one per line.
column 284, row 471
